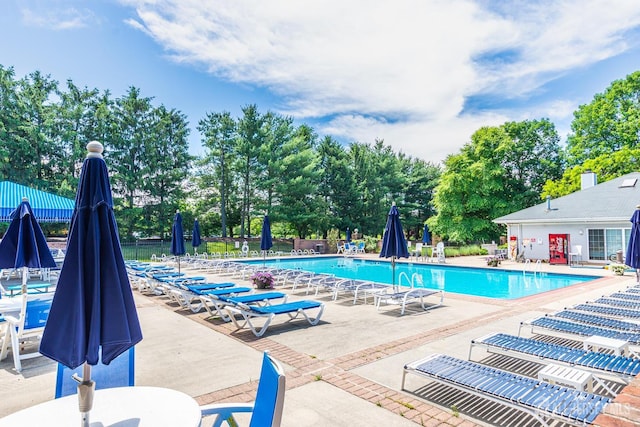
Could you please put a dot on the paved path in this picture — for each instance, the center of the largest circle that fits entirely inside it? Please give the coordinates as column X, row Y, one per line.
column 346, row 370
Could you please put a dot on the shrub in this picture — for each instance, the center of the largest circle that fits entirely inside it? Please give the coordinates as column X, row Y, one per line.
column 618, row 269
column 493, row 261
column 262, row 280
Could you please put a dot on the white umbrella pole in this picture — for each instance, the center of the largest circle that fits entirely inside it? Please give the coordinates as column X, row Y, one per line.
column 393, row 270
column 86, row 388
column 25, row 277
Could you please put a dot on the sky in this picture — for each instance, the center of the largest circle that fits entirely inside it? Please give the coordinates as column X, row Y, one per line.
column 421, row 75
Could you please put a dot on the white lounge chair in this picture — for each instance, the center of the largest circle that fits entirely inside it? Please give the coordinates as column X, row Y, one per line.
column 267, row 313
column 402, row 298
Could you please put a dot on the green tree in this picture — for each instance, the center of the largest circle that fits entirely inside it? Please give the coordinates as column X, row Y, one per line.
column 130, row 136
column 250, row 140
column 166, row 167
column 610, row 122
column 606, row 167
column 217, row 179
column 297, row 195
column 337, row 186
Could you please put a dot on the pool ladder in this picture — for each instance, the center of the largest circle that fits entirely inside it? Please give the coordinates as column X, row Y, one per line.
column 415, row 281
column 536, row 269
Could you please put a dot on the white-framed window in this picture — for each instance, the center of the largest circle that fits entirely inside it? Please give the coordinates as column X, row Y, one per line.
column 605, row 243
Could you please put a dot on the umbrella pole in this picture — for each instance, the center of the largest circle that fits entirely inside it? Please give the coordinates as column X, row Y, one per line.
column 25, row 278
column 178, row 263
column 86, row 388
column 393, row 273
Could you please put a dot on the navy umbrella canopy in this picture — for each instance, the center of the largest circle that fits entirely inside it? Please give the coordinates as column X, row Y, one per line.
column 348, row 236
column 24, row 244
column 195, row 235
column 426, row 236
column 177, row 238
column 93, row 311
column 394, row 244
column 266, row 242
column 633, row 247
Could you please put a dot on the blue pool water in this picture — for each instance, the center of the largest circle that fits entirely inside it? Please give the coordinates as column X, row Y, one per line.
column 484, row 282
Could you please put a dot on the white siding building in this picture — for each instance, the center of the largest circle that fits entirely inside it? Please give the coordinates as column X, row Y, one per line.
column 588, row 225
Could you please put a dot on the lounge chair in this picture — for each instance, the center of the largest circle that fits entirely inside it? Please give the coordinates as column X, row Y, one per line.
column 362, row 288
column 216, row 304
column 627, row 296
column 635, row 305
column 601, row 321
column 267, row 409
column 544, row 401
column 403, row 298
column 608, row 310
column 552, row 324
column 195, row 299
column 616, row 367
column 292, row 309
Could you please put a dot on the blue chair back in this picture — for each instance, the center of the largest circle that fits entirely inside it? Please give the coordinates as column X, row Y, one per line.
column 37, row 313
column 269, row 403
column 119, row 373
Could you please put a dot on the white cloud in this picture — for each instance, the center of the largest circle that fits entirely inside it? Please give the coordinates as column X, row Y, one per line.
column 399, row 71
column 60, row 18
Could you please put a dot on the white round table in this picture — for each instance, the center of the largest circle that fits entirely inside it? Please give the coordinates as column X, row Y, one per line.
column 121, row 406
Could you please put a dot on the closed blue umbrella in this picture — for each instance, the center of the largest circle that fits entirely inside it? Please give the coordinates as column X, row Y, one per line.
column 177, row 238
column 195, row 236
column 348, row 238
column 93, row 311
column 24, row 245
column 394, row 244
column 633, row 247
column 266, row 242
column 426, row 236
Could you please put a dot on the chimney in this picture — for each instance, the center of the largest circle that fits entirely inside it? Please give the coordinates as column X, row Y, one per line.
column 548, row 203
column 588, row 179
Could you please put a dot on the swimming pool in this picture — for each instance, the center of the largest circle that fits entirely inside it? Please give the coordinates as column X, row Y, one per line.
column 484, row 282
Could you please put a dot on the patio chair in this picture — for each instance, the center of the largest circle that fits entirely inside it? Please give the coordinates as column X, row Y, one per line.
column 437, row 253
column 267, row 409
column 119, row 373
column 250, row 313
column 28, row 326
column 542, row 400
column 616, row 367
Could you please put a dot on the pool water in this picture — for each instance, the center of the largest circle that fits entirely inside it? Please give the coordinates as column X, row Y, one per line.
column 484, row 282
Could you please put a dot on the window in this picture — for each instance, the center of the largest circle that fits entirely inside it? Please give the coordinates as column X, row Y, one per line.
column 596, row 244
column 613, row 241
column 604, row 243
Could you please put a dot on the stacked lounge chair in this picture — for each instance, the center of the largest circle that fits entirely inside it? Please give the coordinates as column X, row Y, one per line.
column 542, row 400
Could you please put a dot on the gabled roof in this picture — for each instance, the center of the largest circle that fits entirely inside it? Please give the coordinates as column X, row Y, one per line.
column 611, row 201
column 46, row 207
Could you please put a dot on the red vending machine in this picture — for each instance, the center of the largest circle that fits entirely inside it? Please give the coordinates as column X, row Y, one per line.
column 558, row 249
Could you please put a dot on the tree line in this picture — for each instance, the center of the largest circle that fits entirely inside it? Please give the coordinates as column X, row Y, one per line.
column 261, row 162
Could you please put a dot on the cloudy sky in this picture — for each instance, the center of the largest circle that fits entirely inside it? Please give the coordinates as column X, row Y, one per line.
column 422, row 75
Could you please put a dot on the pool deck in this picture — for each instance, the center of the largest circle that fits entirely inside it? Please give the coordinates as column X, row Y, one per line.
column 344, row 371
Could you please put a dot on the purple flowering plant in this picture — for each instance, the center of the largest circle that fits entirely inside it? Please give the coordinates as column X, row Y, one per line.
column 262, row 280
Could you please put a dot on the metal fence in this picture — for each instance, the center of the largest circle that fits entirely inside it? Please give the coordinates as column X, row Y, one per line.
column 144, row 249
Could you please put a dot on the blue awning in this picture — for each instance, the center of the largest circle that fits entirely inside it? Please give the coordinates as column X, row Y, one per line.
column 46, row 207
